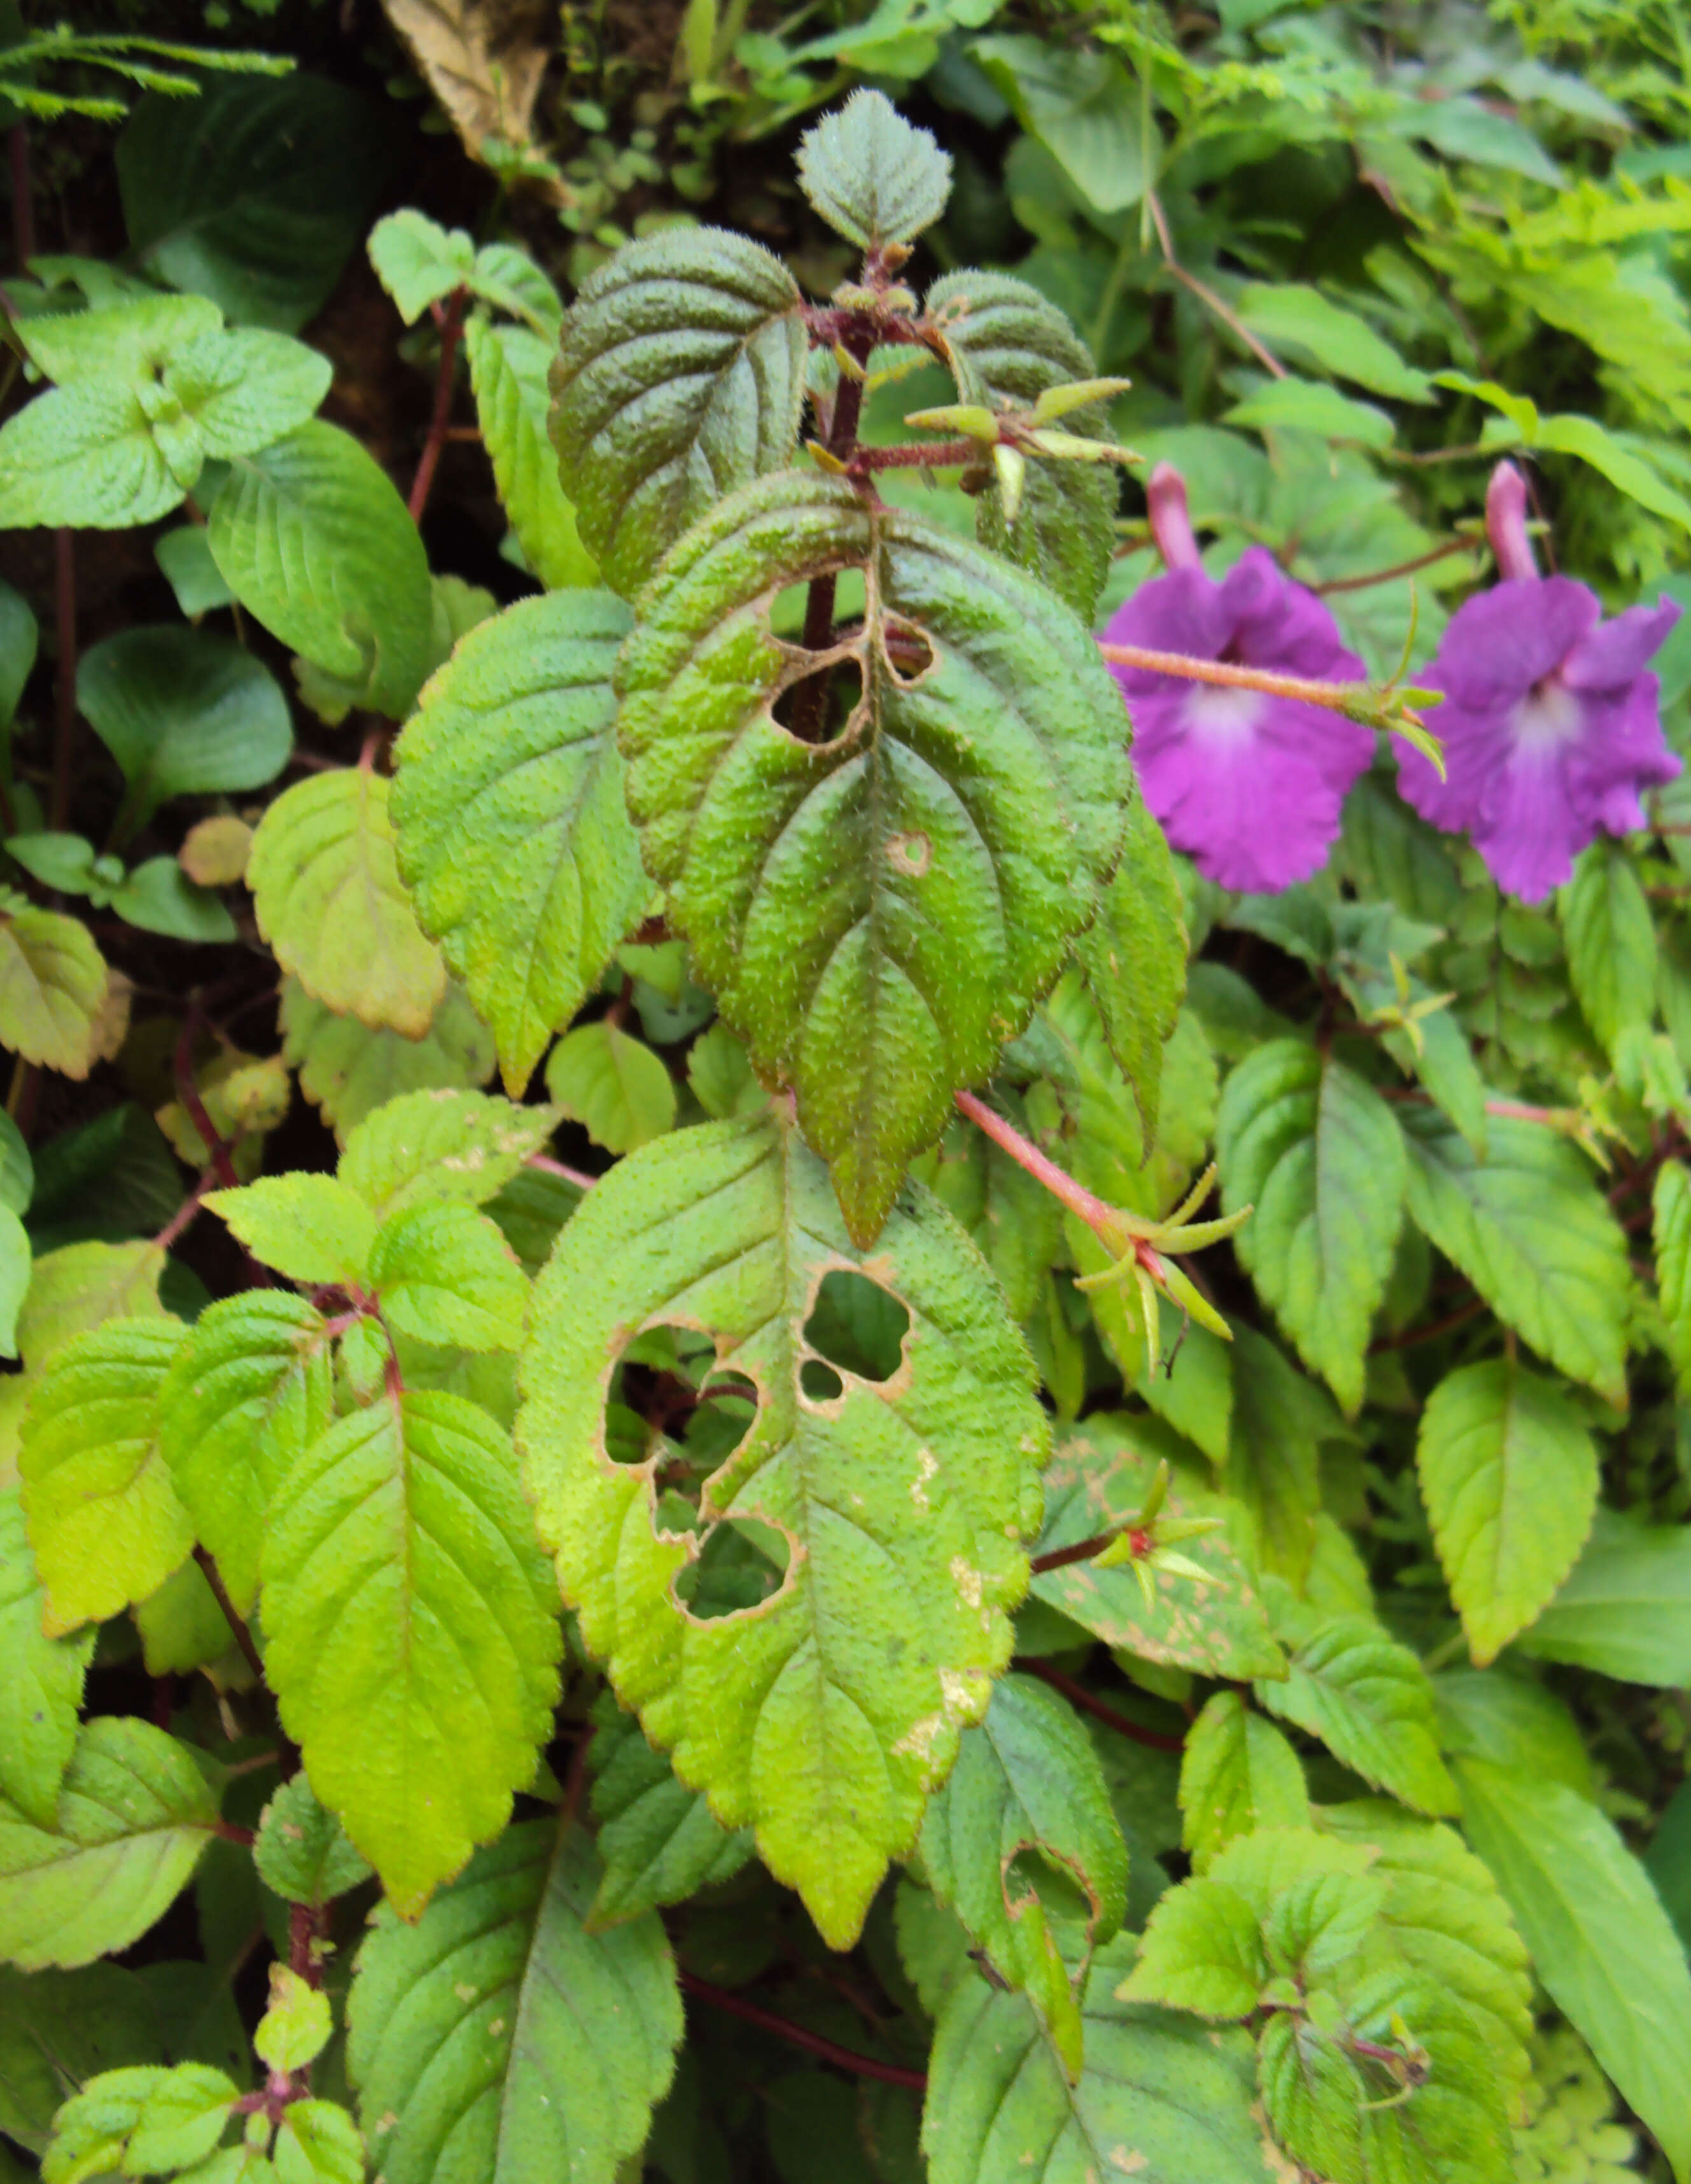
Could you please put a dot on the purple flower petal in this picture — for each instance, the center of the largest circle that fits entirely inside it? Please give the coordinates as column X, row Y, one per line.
column 1617, row 651
column 1502, row 642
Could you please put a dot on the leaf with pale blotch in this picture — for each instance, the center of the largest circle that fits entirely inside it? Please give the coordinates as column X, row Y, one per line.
column 80, row 1286
column 874, row 177
column 1318, row 1153
column 513, row 836
column 313, row 1229
column 1006, row 343
column 411, row 1635
column 1369, row 1701
column 134, row 1816
column 1238, row 1773
column 52, row 987
column 327, row 893
column 507, row 367
column 104, row 1518
column 246, row 1394
column 1028, row 1780
column 1161, row 2098
column 41, row 1679
column 1098, row 1480
column 445, row 1275
column 613, row 1084
column 879, row 913
column 1509, row 1474
column 1133, row 956
column 446, row 1144
column 681, row 376
column 500, row 2038
column 346, row 1069
column 657, row 1838
column 900, row 1503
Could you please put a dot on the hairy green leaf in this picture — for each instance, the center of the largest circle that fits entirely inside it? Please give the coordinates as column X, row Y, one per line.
column 1611, row 943
column 445, row 1275
column 81, row 1286
column 611, row 1084
column 872, row 175
column 303, row 1852
column 1625, row 1610
column 41, row 1679
column 445, row 1145
column 1236, row 1775
column 310, row 1228
column 418, row 261
column 657, row 1838
column 346, row 1069
column 824, row 1715
column 508, row 368
column 58, row 2029
column 1369, row 1700
column 1672, row 1226
column 1133, row 955
column 53, row 982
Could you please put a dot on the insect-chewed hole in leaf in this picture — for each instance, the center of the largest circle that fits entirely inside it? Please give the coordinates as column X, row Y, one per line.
column 858, row 1326
column 909, row 653
column 1030, row 1873
column 819, row 1382
column 817, row 709
column 666, row 1395
column 740, row 1565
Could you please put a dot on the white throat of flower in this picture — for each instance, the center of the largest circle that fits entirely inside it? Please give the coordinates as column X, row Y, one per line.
column 1548, row 716
column 1222, row 715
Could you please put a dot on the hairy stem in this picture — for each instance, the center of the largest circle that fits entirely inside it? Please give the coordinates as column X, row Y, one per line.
column 1337, row 696
column 1026, row 1155
column 919, row 455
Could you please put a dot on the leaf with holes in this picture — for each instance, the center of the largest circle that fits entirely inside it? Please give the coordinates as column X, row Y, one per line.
column 1027, row 1793
column 1509, row 1473
column 1133, row 956
column 872, row 177
column 52, row 987
column 246, row 1394
column 613, row 1085
column 507, row 367
column 499, row 2037
column 1236, row 1775
column 327, row 893
column 657, row 1838
column 105, row 1521
column 1318, row 1152
column 41, row 1679
column 465, row 1145
column 411, row 1632
column 681, row 376
column 513, row 836
column 1098, row 1480
column 1369, row 1700
column 446, row 1276
column 879, row 913
column 134, row 1815
column 1006, row 345
column 824, row 1715
column 346, row 1069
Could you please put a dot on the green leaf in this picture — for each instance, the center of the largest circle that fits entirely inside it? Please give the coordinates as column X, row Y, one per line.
column 1625, row 471
column 131, row 340
column 1625, row 1610
column 418, row 261
column 681, row 376
column 617, row 1089
column 1531, row 1231
column 508, row 368
column 1028, row 1780
column 1084, row 107
column 84, row 455
column 310, row 1228
column 719, row 1074
column 1671, row 1226
column 294, row 2030
column 16, row 1269
column 41, row 1679
column 1310, row 405
column 657, row 1838
column 1509, row 1474
column 347, row 1070
column 873, row 177
column 424, row 1145
column 500, row 2038
column 513, row 836
column 246, row 1394
column 1319, row 1154
column 876, row 915
column 329, row 901
column 1287, row 315
column 60, row 2029
column 81, row 1286
column 170, row 2119
column 411, row 1633
column 1599, row 1940
column 53, row 983
column 1368, row 1699
column 317, row 2143
column 1176, row 2095
column 824, row 1715
column 184, row 714
column 445, row 1275
column 184, row 558
column 1099, row 1479
column 134, row 1815
column 313, row 540
column 105, row 1518
column 1005, row 342
column 1012, row 1217
column 1279, row 1420
column 303, row 1852
column 159, row 897
column 1611, row 944
column 1237, row 1774
column 1133, row 955
column 1498, row 1714
column 19, row 640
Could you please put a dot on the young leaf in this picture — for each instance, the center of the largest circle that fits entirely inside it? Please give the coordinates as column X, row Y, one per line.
column 1625, row 1610
column 513, row 836
column 310, row 1228
column 1006, row 344
column 656, row 1836
column 681, row 376
column 616, row 1088
column 411, row 1635
column 418, row 261
column 313, row 540
column 1177, row 2095
column 294, row 2030
column 1027, row 1780
column 347, row 1070
column 1599, row 1937
column 52, row 984
column 466, row 1145
column 1133, row 956
column 876, row 915
column 1369, row 1700
column 105, row 1518
column 41, row 1679
column 873, row 177
column 1319, row 1154
column 1611, row 943
column 1529, row 1229
column 1509, row 1474
column 499, row 2037
column 446, row 1276
column 507, row 367
column 1236, row 1775
column 303, row 1852
column 898, row 1502
column 134, row 1816
column 328, row 898
column 246, row 1394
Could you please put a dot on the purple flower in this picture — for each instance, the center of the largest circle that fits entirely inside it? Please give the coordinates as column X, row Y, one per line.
column 1250, row 785
column 1549, row 722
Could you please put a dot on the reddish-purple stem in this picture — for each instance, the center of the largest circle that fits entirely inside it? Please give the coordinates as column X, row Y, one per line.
column 1078, row 1695
column 800, row 2036
column 451, row 320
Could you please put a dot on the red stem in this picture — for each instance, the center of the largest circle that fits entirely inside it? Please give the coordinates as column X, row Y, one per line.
column 242, row 1635
column 1305, row 689
column 920, row 455
column 1062, row 1186
column 799, row 2036
column 1402, row 569
column 188, row 1093
column 1078, row 1695
column 1082, row 1551
column 187, row 1211
column 452, row 330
